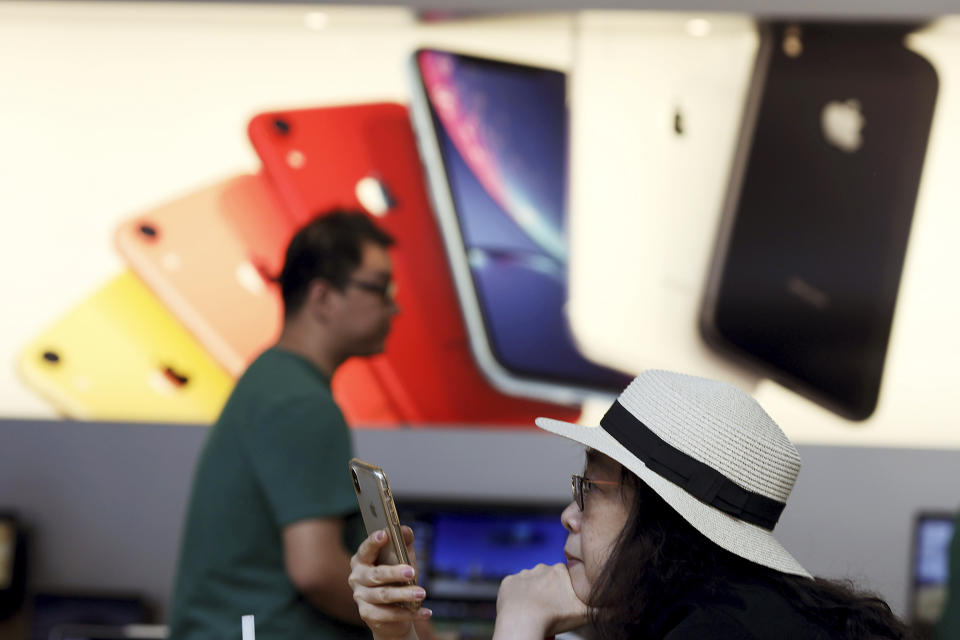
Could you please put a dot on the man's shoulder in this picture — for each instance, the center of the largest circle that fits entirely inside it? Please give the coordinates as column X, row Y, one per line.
column 277, row 379
column 281, row 369
column 291, row 409
column 309, row 404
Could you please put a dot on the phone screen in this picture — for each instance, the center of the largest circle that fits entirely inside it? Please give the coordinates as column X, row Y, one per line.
column 502, row 131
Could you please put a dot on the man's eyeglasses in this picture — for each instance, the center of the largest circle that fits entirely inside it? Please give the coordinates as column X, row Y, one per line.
column 386, row 290
column 582, row 486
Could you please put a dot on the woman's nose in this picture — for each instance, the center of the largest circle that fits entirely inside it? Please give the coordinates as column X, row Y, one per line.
column 571, row 518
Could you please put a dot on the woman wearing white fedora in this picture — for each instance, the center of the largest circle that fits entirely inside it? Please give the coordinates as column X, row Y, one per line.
column 670, row 534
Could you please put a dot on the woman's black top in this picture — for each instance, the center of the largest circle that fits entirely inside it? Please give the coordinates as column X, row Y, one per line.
column 738, row 611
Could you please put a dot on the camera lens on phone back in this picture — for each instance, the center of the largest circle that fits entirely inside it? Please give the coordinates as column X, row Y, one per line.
column 148, row 231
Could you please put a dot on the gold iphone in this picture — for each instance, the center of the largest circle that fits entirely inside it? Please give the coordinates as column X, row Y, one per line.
column 379, row 512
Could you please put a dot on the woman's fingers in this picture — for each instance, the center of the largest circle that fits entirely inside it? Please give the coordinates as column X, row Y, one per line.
column 390, row 574
column 389, row 595
column 380, row 615
column 543, row 598
column 363, row 573
column 369, row 549
column 408, row 543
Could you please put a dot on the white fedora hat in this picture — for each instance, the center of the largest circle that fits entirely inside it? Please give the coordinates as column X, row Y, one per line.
column 710, row 451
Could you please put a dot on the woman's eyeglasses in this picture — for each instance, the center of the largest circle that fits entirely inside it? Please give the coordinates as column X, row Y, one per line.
column 582, row 486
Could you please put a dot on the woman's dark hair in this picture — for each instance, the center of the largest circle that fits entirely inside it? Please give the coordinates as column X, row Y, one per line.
column 329, row 247
column 659, row 558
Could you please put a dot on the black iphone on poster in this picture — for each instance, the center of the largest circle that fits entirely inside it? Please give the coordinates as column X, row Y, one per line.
column 810, row 252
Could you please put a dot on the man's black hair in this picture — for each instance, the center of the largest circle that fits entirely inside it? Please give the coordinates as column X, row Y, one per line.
column 329, row 247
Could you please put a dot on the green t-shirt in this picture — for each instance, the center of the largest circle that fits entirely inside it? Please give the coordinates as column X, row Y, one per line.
column 277, row 454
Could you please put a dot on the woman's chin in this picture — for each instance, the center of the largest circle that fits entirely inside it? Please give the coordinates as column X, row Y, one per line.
column 578, row 579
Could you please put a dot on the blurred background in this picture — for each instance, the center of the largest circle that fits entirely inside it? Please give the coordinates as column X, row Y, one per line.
column 763, row 195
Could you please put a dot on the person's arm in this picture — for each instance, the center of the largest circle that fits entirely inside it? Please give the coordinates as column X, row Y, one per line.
column 299, row 451
column 536, row 603
column 318, row 566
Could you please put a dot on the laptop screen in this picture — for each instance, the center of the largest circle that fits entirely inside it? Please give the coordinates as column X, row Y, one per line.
column 930, row 565
column 102, row 632
column 464, row 551
column 99, row 611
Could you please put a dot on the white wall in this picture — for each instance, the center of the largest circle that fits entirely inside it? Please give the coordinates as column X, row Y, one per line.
column 110, row 109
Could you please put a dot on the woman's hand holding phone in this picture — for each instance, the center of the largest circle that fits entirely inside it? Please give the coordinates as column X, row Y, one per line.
column 381, row 590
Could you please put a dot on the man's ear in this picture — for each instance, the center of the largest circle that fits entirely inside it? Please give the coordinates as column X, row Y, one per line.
column 321, row 296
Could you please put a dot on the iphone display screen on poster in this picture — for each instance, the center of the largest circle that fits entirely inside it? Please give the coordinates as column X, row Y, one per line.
column 493, row 136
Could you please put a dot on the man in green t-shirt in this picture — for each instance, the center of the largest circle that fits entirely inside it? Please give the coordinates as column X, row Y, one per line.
column 272, row 519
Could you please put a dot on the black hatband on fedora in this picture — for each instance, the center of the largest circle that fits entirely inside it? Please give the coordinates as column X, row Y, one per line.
column 701, row 481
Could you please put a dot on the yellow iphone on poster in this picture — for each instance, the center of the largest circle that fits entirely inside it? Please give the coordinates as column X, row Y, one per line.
column 120, row 355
